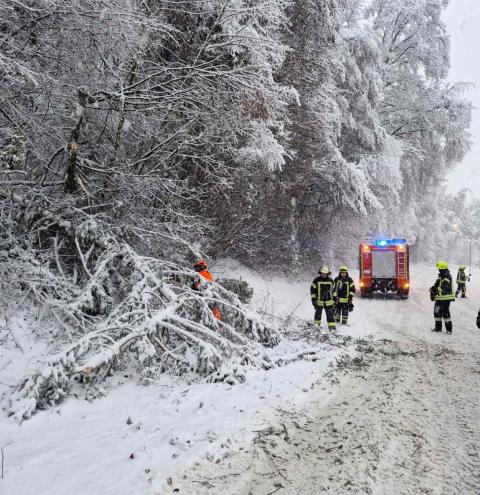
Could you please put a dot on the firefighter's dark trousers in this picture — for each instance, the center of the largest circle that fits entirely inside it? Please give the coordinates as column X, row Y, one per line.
column 329, row 313
column 341, row 312
column 441, row 311
column 461, row 287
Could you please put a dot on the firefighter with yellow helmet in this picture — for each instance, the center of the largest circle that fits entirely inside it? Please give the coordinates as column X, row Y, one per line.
column 344, row 290
column 462, row 279
column 442, row 293
column 321, row 292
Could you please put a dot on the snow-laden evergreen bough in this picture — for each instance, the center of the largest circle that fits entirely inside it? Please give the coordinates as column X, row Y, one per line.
column 125, row 309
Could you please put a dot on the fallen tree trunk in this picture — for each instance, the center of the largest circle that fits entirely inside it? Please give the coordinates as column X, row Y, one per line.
column 125, row 308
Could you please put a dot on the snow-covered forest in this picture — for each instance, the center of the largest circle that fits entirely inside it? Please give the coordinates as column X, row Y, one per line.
column 138, row 136
column 277, row 132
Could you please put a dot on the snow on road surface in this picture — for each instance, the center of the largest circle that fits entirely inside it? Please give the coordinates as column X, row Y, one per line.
column 403, row 416
column 398, row 414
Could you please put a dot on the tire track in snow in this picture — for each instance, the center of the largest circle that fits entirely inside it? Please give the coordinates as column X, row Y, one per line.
column 408, row 423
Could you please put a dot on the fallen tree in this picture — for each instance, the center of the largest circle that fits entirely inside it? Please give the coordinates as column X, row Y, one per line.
column 119, row 308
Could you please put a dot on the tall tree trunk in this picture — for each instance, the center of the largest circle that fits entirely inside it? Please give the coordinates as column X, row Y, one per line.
column 71, row 182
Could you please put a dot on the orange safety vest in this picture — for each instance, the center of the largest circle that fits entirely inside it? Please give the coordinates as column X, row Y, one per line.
column 206, row 275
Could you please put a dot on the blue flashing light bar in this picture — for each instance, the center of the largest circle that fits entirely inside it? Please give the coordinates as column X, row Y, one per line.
column 390, row 242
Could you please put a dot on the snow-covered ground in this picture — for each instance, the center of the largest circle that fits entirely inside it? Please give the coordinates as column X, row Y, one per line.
column 85, row 447
column 402, row 417
column 406, row 399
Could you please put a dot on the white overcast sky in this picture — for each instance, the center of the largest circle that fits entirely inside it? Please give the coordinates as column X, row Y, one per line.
column 463, row 21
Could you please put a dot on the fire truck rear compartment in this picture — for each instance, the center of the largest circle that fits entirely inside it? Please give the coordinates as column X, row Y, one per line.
column 384, row 278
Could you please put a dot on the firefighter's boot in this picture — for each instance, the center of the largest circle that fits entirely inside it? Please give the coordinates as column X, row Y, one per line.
column 330, row 313
column 448, row 326
column 337, row 312
column 438, row 326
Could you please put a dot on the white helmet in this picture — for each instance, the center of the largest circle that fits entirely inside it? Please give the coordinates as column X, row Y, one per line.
column 324, row 269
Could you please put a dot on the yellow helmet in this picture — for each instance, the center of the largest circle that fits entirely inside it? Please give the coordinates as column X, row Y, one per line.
column 462, row 267
column 442, row 265
column 344, row 268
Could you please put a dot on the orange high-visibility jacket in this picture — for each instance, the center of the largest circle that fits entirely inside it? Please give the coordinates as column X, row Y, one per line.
column 200, row 281
column 206, row 275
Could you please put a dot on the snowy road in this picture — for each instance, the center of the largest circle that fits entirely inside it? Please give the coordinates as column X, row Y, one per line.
column 402, row 418
column 399, row 415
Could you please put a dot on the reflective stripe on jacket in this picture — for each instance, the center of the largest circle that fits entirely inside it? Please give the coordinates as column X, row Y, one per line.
column 443, row 288
column 461, row 277
column 321, row 291
column 344, row 289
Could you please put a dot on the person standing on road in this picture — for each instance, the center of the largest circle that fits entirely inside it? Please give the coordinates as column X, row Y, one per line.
column 343, row 292
column 442, row 293
column 321, row 293
column 462, row 279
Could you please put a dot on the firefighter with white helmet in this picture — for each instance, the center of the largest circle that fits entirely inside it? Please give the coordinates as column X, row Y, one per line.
column 321, row 292
column 442, row 293
column 343, row 292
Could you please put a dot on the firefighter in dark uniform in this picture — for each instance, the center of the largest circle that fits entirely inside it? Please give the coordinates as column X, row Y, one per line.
column 343, row 292
column 462, row 281
column 321, row 292
column 442, row 293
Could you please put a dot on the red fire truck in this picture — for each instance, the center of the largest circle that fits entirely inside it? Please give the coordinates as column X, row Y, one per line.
column 384, row 267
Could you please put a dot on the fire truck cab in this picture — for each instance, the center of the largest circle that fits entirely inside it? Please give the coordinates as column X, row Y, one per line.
column 384, row 267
